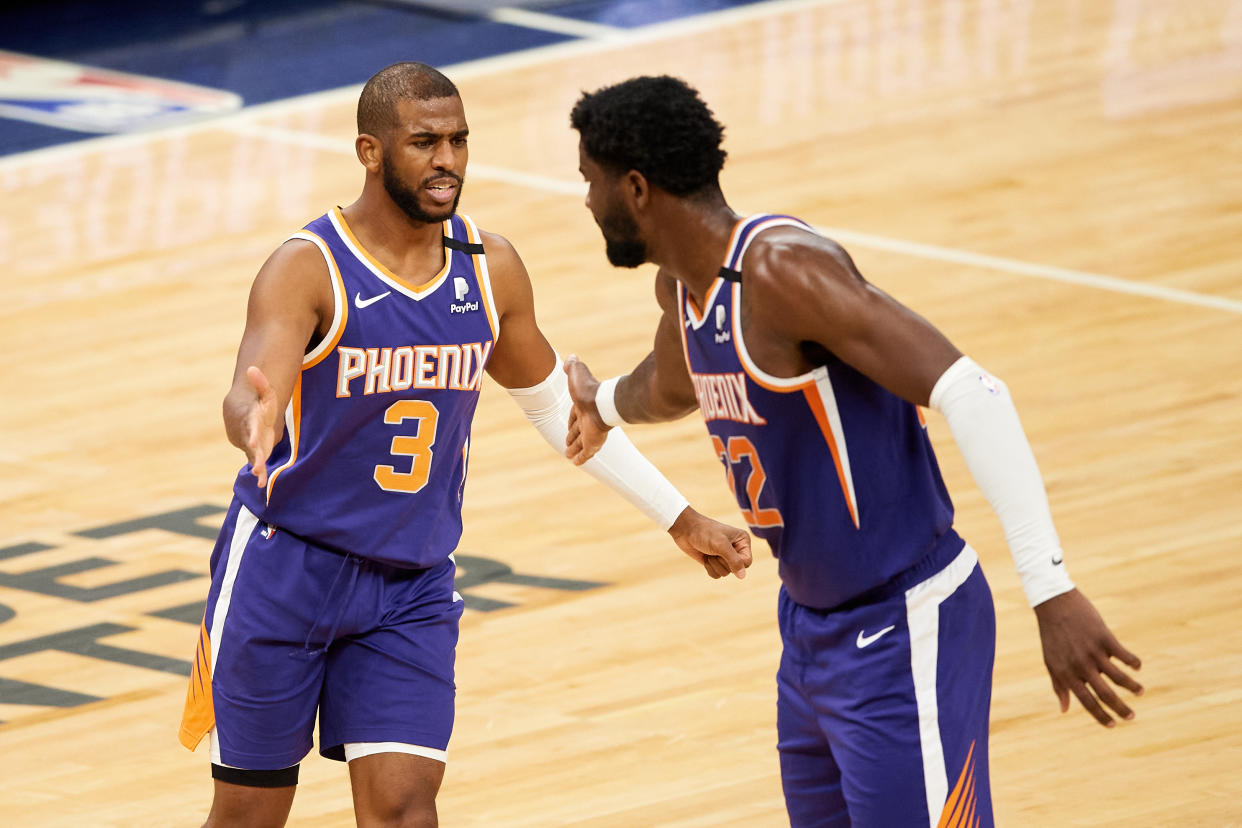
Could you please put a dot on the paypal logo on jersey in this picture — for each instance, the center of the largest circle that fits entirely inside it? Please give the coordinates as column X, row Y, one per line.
column 460, row 288
column 721, row 334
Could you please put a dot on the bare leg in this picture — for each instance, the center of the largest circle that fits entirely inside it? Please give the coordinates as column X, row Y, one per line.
column 241, row 806
column 395, row 790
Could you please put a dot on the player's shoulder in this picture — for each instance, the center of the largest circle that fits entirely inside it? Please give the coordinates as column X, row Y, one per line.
column 782, row 256
column 495, row 244
column 792, row 244
column 506, row 272
column 295, row 275
column 295, row 257
column 502, row 256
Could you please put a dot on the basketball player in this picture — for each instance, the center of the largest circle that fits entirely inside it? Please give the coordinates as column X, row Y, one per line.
column 809, row 380
column 357, row 377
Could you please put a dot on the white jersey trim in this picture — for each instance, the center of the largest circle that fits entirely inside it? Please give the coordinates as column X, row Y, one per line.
column 344, row 234
column 923, row 602
column 817, row 378
column 776, row 221
column 764, row 378
column 357, row 750
column 484, row 274
column 828, row 397
column 243, row 528
column 339, row 300
column 694, row 320
column 774, row 382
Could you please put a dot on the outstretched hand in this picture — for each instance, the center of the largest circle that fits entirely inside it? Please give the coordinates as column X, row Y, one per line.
column 1078, row 651
column 259, row 425
column 587, row 430
column 720, row 548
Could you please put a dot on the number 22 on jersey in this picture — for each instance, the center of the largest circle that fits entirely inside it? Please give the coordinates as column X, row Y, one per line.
column 738, row 448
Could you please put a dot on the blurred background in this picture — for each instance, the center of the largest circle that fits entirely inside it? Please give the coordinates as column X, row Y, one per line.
column 1057, row 185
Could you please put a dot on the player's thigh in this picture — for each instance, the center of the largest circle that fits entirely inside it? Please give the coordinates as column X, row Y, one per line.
column 810, row 776
column 911, row 738
column 265, row 674
column 395, row 788
column 395, row 683
column 965, row 657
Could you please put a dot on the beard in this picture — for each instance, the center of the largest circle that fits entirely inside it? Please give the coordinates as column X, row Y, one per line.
column 407, row 198
column 622, row 243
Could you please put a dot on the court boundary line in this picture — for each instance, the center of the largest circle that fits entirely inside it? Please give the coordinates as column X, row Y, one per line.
column 476, row 170
column 557, row 24
column 1018, row 267
column 241, row 122
column 625, row 38
column 855, row 238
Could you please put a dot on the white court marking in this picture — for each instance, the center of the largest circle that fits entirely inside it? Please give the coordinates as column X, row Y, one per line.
column 242, row 122
column 555, row 23
column 475, row 170
column 473, row 68
column 852, row 238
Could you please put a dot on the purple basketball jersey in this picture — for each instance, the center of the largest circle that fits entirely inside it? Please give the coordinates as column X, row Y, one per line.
column 834, row 471
column 377, row 433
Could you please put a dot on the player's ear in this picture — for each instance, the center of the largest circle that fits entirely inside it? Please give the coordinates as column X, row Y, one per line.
column 370, row 152
column 635, row 188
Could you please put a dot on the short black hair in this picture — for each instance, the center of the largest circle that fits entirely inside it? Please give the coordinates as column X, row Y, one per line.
column 409, row 81
column 658, row 126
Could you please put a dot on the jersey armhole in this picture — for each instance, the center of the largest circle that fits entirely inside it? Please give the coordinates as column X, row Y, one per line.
column 340, row 313
column 483, row 276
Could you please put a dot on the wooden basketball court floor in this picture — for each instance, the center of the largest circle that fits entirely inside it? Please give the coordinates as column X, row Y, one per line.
column 1057, row 185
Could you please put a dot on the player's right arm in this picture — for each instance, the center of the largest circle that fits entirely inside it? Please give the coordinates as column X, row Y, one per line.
column 805, row 288
column 657, row 390
column 290, row 306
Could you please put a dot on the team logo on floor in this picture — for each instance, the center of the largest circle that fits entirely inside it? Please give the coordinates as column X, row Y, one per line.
column 66, row 632
column 70, row 96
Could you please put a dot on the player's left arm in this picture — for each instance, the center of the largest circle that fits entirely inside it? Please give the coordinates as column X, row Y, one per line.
column 806, row 289
column 526, row 365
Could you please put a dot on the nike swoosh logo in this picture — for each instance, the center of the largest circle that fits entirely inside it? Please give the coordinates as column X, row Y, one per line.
column 361, row 303
column 1058, row 561
column 868, row 640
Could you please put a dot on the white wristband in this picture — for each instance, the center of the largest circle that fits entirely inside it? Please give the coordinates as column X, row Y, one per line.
column 606, row 402
column 987, row 430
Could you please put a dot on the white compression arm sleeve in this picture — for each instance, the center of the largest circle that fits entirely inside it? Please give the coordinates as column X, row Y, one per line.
column 985, row 425
column 618, row 464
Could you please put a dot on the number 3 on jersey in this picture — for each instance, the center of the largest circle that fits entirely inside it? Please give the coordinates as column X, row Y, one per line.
column 418, row 447
column 740, row 447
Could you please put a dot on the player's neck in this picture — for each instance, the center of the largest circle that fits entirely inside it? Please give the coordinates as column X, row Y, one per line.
column 692, row 242
column 413, row 250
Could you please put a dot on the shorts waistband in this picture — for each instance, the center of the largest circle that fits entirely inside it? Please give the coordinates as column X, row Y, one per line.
column 944, row 550
column 360, row 560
